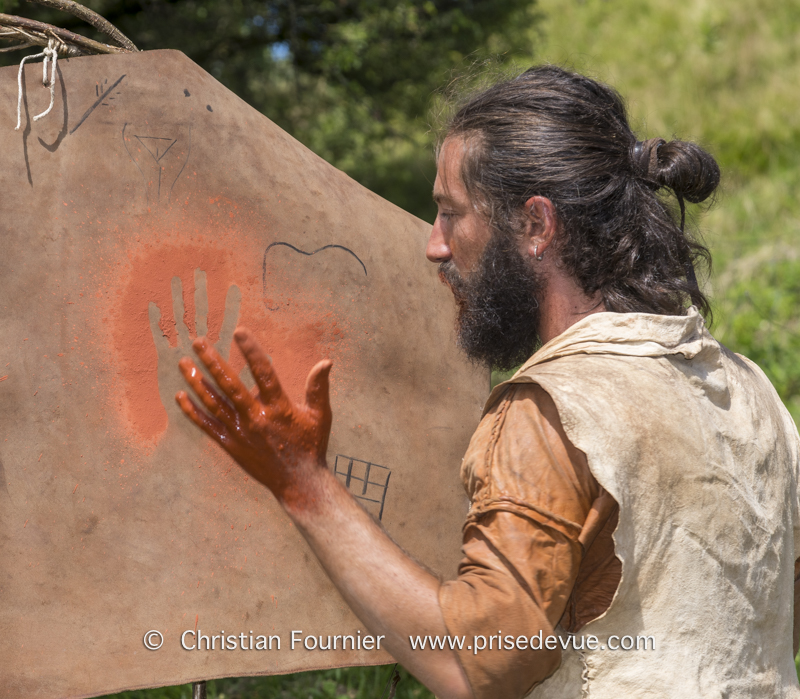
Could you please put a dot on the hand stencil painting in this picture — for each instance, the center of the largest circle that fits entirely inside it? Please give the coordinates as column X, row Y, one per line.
column 149, row 220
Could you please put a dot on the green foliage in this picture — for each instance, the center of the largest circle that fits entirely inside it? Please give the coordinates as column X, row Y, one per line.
column 345, row 683
column 725, row 76
column 718, row 73
column 761, row 319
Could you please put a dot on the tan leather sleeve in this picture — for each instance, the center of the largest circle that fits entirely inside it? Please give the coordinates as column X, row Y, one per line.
column 531, row 493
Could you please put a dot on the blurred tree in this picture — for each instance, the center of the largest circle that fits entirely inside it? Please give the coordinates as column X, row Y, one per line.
column 351, row 79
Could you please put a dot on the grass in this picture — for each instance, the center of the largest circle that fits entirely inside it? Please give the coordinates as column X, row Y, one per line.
column 344, row 683
column 724, row 75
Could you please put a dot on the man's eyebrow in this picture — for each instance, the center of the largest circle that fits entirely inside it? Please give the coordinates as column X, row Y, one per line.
column 439, row 197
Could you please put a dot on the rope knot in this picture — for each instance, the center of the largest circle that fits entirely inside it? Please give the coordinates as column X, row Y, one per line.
column 50, row 53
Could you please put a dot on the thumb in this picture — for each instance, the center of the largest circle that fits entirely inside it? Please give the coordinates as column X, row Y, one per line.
column 317, row 387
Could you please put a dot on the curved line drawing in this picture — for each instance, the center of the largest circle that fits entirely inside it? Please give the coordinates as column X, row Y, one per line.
column 153, row 148
column 324, row 247
column 125, row 126
column 188, row 155
column 302, row 252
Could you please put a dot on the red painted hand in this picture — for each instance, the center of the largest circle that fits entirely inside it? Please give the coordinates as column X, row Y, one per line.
column 279, row 443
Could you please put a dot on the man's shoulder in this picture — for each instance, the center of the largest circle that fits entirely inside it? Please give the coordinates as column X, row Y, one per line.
column 520, row 455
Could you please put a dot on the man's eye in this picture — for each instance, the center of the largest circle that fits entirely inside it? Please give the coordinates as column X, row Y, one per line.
column 445, row 215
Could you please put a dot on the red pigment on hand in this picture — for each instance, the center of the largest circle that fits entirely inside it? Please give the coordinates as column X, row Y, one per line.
column 296, row 336
column 279, row 442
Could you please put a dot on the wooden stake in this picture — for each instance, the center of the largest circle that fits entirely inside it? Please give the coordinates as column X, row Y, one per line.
column 91, row 17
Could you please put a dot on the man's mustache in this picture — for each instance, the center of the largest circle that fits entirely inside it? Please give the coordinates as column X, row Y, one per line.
column 450, row 276
column 497, row 302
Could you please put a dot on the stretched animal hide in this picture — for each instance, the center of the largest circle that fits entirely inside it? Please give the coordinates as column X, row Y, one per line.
column 150, row 206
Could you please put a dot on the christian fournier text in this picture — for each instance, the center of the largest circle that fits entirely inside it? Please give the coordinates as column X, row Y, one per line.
column 206, row 641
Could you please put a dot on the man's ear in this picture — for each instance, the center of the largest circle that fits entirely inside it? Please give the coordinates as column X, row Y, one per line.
column 541, row 226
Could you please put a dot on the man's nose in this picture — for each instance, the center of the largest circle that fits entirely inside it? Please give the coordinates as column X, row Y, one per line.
column 437, row 250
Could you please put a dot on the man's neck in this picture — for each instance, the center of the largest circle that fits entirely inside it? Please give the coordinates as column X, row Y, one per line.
column 564, row 304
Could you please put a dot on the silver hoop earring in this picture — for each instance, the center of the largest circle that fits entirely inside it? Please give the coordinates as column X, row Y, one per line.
column 536, row 253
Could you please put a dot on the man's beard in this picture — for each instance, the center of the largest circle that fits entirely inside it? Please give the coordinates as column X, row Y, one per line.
column 498, row 305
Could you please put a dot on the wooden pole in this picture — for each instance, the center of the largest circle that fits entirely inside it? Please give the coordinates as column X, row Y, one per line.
column 91, row 17
column 38, row 32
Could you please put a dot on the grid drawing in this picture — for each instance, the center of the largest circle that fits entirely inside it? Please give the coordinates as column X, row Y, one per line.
column 367, row 481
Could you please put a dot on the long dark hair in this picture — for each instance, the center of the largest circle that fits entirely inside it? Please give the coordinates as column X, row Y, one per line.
column 557, row 134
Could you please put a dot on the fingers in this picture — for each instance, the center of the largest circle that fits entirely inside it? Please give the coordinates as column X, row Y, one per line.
column 216, row 404
column 200, row 303
column 318, row 387
column 179, row 311
column 232, row 302
column 212, row 427
column 269, row 387
column 154, row 316
column 226, row 379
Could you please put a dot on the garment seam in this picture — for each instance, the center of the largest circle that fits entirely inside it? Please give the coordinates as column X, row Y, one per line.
column 521, row 508
column 494, row 437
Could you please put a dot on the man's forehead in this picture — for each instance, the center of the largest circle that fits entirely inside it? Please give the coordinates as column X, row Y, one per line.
column 448, row 186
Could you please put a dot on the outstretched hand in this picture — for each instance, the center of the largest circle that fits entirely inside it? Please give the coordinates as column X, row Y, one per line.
column 283, row 445
column 279, row 443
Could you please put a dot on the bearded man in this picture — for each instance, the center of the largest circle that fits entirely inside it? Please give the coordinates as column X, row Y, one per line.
column 634, row 479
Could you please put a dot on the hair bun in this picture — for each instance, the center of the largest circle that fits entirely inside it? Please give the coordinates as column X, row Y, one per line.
column 684, row 167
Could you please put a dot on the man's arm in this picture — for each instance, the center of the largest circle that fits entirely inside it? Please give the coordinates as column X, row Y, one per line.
column 283, row 446
column 392, row 594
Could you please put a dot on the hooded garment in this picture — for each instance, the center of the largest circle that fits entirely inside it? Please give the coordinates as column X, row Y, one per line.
column 694, row 444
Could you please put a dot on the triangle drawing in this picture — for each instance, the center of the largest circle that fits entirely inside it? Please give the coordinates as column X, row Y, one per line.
column 157, row 146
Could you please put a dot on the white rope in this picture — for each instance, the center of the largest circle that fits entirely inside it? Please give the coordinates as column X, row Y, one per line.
column 19, row 85
column 49, row 54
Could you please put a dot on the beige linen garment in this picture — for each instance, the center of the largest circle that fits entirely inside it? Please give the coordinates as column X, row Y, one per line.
column 694, row 444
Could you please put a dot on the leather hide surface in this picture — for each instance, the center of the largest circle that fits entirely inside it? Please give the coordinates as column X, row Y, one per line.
column 149, row 206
